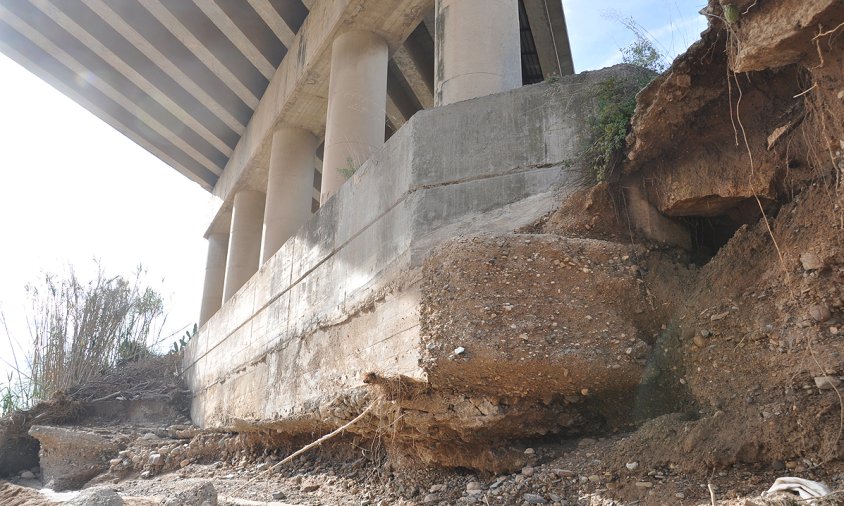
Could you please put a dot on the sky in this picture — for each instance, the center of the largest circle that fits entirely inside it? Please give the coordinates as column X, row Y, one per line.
column 73, row 189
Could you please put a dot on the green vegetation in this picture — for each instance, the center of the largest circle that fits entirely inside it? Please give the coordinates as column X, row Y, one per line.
column 616, row 103
column 349, row 170
column 642, row 53
column 183, row 341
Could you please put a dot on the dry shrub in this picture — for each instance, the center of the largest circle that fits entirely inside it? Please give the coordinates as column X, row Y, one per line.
column 80, row 329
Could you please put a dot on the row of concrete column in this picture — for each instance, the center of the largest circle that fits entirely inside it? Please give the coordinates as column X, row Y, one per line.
column 477, row 47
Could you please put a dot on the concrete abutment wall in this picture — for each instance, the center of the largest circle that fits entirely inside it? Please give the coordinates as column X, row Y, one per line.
column 341, row 297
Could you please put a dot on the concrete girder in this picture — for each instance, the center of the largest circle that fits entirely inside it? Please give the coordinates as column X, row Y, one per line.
column 132, row 74
column 552, row 46
column 184, row 35
column 240, row 40
column 106, row 88
column 107, row 13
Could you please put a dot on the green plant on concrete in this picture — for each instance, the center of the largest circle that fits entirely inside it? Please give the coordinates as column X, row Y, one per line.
column 349, row 170
column 609, row 129
column 616, row 103
column 183, row 341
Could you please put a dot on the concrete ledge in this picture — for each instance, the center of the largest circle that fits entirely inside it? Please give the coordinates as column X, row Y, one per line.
column 341, row 298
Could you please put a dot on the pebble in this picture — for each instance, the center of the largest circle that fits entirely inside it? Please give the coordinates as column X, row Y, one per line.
column 699, row 341
column 820, row 313
column 431, row 498
column 680, row 495
column 28, row 475
column 826, row 382
column 155, row 459
column 437, row 488
column 278, row 495
column 833, row 330
column 534, row 499
column 810, row 261
column 529, row 451
column 149, row 436
column 644, row 484
column 527, row 471
column 632, row 466
column 473, row 485
column 719, row 316
column 459, row 350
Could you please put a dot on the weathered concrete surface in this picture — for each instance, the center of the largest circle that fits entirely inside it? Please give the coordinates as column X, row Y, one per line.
column 341, row 299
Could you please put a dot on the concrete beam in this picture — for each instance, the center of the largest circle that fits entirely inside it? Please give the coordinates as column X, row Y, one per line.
column 276, row 23
column 550, row 36
column 299, row 88
column 112, row 92
column 38, row 67
column 110, row 16
column 131, row 73
column 202, row 53
column 240, row 40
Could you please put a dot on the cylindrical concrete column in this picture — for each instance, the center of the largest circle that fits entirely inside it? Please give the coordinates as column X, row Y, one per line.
column 477, row 49
column 215, row 275
column 290, row 187
column 244, row 240
column 357, row 102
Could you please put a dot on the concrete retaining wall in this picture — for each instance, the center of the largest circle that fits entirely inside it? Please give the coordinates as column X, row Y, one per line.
column 340, row 299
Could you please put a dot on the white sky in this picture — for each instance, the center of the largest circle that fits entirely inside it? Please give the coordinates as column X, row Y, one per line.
column 73, row 189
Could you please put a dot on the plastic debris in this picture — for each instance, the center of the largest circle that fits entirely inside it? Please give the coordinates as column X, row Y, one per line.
column 806, row 489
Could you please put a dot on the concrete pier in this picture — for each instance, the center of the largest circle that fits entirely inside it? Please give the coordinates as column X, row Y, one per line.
column 244, row 240
column 289, row 187
column 215, row 276
column 357, row 97
column 477, row 49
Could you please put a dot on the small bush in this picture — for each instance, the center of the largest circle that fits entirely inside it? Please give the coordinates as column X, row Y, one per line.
column 616, row 103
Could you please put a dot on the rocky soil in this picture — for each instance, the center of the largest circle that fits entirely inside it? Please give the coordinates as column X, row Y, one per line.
column 692, row 357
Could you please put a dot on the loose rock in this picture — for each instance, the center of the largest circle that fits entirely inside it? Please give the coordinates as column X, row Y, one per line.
column 96, row 497
column 826, row 382
column 534, row 499
column 810, row 261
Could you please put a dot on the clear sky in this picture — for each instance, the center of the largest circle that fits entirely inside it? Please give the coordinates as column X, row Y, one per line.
column 73, row 189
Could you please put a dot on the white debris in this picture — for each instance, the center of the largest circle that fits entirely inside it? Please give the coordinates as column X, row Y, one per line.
column 806, row 489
